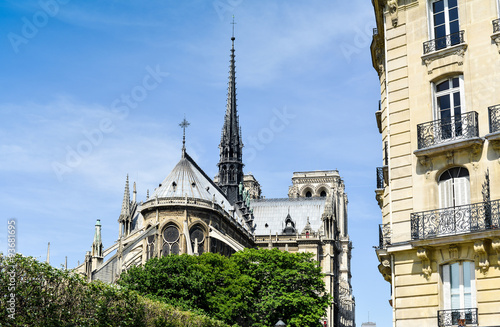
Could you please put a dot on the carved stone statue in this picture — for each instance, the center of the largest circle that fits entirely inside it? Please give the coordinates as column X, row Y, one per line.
column 245, row 195
column 248, row 202
column 240, row 188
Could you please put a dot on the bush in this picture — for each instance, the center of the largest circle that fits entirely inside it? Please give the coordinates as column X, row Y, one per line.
column 36, row 294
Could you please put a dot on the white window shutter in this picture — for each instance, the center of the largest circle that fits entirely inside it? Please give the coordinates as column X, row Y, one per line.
column 446, row 287
column 462, row 191
column 446, row 194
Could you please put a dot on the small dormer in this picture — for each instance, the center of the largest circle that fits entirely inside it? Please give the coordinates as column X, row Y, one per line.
column 289, row 226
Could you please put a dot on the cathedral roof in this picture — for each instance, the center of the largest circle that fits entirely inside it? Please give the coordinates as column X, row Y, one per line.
column 273, row 212
column 188, row 179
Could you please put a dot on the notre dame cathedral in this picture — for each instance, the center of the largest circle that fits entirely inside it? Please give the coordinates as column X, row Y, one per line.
column 191, row 213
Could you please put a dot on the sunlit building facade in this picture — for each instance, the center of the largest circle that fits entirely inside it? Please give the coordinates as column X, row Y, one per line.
column 438, row 187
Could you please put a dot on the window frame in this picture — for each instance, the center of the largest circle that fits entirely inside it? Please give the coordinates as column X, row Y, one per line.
column 435, row 94
column 446, row 280
column 430, row 18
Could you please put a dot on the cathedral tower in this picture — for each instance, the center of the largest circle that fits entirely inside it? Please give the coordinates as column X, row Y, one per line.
column 230, row 163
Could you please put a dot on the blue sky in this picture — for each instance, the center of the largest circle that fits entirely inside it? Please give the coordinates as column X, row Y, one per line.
column 95, row 90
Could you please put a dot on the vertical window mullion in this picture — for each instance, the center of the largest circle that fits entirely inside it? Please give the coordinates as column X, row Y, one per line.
column 446, row 17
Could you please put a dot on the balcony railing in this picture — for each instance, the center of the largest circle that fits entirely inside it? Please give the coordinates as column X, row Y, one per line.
column 455, row 220
column 457, row 317
column 494, row 114
column 380, row 177
column 496, row 26
column 444, row 42
column 384, row 236
column 447, row 129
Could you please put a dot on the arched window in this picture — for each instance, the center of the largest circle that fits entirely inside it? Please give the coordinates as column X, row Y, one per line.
column 454, row 187
column 170, row 240
column 197, row 239
column 308, row 194
column 323, row 193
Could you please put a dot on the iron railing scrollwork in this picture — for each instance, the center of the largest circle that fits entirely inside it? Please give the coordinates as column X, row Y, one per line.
column 447, row 129
column 455, row 220
column 496, row 25
column 444, row 42
column 380, row 177
column 457, row 317
column 494, row 115
column 384, row 236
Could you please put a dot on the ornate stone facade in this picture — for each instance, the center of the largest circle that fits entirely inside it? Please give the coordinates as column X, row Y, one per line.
column 440, row 196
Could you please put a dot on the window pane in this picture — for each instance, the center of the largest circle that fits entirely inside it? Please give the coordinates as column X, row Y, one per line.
column 171, row 234
column 453, row 13
column 455, row 285
column 438, row 6
column 454, row 28
column 443, row 86
column 455, row 82
column 175, row 248
column 452, row 3
column 166, row 249
column 439, row 31
column 439, row 19
column 456, row 103
column 443, row 103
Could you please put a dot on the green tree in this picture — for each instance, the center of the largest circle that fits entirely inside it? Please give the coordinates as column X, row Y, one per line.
column 287, row 286
column 252, row 288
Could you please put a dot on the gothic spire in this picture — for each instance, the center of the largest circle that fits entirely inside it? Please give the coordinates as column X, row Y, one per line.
column 126, row 203
column 230, row 163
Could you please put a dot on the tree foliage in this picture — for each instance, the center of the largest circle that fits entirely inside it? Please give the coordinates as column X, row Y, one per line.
column 36, row 294
column 251, row 288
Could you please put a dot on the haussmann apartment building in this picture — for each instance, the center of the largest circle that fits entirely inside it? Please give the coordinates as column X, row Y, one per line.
column 438, row 186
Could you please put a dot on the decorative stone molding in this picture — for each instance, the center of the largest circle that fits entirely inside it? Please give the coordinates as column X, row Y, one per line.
column 424, row 254
column 453, row 251
column 392, row 5
column 458, row 50
column 495, row 244
column 379, row 196
column 480, row 250
column 424, row 161
column 385, row 269
column 475, row 151
column 496, row 38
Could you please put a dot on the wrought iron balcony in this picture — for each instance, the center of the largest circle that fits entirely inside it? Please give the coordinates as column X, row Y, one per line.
column 380, row 177
column 455, row 220
column 444, row 42
column 496, row 26
column 457, row 317
column 384, row 236
column 494, row 114
column 449, row 129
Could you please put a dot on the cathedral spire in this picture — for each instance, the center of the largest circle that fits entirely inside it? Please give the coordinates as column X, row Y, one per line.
column 126, row 203
column 230, row 163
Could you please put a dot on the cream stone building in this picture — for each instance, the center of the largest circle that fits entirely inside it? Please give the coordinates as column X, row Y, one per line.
column 438, row 63
column 189, row 213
